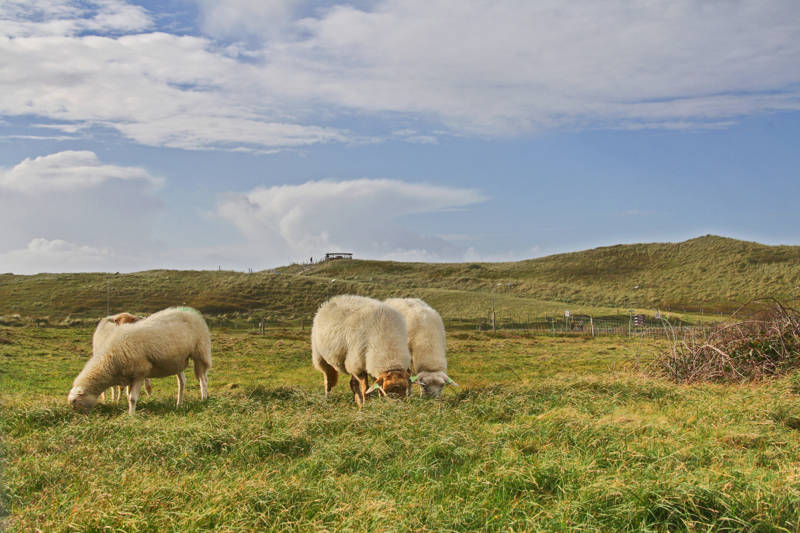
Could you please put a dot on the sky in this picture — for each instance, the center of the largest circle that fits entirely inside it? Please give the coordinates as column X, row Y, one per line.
column 248, row 134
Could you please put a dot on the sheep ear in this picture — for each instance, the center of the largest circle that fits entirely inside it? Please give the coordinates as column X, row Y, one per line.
column 413, row 379
column 126, row 318
column 372, row 389
column 450, row 381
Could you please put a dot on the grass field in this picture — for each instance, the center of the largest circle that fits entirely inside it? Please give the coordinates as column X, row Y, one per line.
column 543, row 434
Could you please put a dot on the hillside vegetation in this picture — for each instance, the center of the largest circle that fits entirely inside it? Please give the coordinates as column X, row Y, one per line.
column 712, row 274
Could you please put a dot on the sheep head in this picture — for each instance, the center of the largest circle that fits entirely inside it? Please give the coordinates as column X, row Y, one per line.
column 432, row 383
column 125, row 318
column 393, row 383
column 81, row 400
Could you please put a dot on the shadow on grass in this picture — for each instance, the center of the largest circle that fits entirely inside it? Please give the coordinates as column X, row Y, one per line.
column 787, row 417
column 21, row 421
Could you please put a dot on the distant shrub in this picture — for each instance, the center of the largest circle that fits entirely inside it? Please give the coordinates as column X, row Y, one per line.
column 69, row 322
column 765, row 344
column 11, row 320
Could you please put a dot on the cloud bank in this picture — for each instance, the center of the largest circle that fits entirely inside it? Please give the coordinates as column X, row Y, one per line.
column 69, row 209
column 275, row 75
column 72, row 211
column 68, row 170
column 366, row 216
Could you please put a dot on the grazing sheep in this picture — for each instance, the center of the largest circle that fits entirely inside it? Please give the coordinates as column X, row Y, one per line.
column 104, row 328
column 426, row 342
column 360, row 337
column 157, row 346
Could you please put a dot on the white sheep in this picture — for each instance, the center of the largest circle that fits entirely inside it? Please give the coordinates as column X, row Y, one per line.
column 157, row 346
column 104, row 328
column 361, row 337
column 427, row 344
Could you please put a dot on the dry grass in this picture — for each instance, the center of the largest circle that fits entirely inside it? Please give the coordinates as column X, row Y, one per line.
column 767, row 343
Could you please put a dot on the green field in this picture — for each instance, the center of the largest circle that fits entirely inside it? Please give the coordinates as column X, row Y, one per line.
column 542, row 434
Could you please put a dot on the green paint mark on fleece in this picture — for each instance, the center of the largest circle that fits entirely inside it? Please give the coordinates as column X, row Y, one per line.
column 189, row 310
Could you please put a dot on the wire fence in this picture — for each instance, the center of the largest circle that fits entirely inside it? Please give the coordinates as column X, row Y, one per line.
column 580, row 326
column 586, row 326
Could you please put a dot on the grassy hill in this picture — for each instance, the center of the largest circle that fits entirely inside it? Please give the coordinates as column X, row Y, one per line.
column 709, row 273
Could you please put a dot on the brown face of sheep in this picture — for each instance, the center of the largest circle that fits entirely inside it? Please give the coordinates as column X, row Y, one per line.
column 81, row 400
column 394, row 383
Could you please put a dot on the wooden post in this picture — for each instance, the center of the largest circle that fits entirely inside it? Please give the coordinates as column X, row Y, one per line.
column 591, row 323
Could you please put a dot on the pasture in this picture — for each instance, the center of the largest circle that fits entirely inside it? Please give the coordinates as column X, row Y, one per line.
column 542, row 434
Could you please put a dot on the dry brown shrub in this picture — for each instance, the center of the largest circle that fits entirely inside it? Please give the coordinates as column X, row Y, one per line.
column 765, row 343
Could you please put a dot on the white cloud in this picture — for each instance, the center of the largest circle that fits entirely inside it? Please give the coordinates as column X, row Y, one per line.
column 219, row 131
column 413, row 136
column 155, row 88
column 68, row 170
column 514, row 66
column 29, row 18
column 275, row 74
column 74, row 197
column 233, row 18
column 365, row 216
column 43, row 255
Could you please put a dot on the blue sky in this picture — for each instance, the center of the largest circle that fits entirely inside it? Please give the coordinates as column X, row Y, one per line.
column 250, row 134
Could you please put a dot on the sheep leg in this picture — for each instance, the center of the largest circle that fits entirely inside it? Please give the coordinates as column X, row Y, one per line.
column 133, row 394
column 201, row 373
column 363, row 383
column 148, row 387
column 358, row 384
column 181, row 386
column 331, row 376
column 355, row 386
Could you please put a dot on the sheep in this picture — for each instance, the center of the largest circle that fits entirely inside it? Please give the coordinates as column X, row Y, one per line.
column 104, row 328
column 157, row 346
column 427, row 344
column 361, row 337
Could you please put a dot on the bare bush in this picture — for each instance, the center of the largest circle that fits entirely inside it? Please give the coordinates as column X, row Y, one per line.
column 766, row 343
